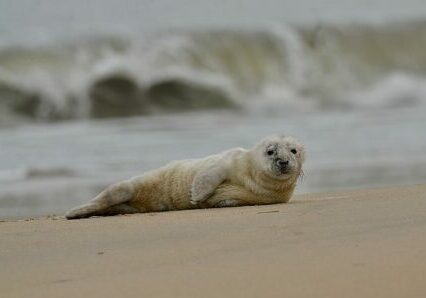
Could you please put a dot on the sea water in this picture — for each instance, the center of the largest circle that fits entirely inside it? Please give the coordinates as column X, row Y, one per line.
column 79, row 114
column 49, row 168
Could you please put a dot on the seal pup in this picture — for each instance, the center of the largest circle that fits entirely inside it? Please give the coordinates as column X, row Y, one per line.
column 265, row 174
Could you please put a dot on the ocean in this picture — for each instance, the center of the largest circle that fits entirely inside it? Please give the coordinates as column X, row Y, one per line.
column 79, row 113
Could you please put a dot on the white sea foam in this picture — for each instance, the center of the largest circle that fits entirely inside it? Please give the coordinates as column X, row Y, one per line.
column 322, row 67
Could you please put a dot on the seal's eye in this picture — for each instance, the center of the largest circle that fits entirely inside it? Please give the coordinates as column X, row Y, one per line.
column 270, row 152
column 294, row 151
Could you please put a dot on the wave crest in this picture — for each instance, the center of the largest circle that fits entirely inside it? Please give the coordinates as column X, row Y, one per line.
column 325, row 66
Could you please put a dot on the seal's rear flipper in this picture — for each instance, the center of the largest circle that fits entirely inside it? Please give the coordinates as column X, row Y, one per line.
column 110, row 201
column 88, row 210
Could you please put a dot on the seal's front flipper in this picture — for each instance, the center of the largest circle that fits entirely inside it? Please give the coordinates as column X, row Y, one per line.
column 206, row 182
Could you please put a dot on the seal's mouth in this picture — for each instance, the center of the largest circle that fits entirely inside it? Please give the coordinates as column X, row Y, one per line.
column 282, row 173
column 285, row 171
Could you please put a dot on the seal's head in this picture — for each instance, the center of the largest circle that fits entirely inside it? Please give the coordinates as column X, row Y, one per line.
column 280, row 157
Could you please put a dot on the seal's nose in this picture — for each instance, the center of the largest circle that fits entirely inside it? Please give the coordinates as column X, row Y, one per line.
column 282, row 163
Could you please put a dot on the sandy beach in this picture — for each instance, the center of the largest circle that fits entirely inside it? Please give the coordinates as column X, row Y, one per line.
column 368, row 243
column 97, row 92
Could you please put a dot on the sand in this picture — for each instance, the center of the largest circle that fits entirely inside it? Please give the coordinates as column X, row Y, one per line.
column 369, row 243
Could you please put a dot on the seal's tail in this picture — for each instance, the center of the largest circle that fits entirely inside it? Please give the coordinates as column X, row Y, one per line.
column 110, row 201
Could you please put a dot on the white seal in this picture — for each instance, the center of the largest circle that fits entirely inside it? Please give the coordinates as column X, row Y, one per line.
column 265, row 174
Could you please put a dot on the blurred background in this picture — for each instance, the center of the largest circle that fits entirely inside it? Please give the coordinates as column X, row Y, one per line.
column 92, row 92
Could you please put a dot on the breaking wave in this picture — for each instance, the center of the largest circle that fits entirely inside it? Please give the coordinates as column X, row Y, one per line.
column 310, row 67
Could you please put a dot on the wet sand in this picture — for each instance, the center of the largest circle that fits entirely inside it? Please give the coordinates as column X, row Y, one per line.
column 368, row 243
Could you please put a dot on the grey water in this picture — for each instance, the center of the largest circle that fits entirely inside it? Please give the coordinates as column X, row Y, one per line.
column 46, row 169
column 90, row 98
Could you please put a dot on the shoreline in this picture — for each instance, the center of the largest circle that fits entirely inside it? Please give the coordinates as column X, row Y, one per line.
column 364, row 243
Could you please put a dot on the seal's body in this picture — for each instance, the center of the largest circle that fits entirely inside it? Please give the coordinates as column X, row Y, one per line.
column 265, row 174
